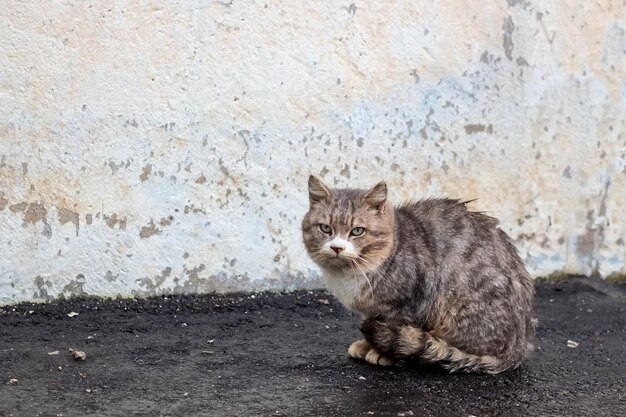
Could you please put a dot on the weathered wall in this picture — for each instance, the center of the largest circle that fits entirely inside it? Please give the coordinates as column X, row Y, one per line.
column 155, row 148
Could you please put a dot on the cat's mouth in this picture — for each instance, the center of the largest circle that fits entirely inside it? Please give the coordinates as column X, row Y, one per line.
column 337, row 260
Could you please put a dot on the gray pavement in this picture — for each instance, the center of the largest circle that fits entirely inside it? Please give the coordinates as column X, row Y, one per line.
column 285, row 355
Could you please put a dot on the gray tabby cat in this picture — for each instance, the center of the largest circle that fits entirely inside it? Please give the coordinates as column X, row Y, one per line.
column 433, row 281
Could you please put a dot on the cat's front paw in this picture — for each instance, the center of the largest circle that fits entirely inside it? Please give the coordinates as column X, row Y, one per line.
column 376, row 358
column 359, row 349
column 362, row 349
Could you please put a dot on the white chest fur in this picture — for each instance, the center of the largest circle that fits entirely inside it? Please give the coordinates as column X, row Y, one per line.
column 345, row 284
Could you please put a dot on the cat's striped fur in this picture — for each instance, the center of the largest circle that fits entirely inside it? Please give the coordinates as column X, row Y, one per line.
column 433, row 280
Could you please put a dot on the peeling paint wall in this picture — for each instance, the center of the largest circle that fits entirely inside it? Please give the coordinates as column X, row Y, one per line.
column 165, row 147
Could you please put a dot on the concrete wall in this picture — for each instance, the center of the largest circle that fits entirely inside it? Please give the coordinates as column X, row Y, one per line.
column 161, row 148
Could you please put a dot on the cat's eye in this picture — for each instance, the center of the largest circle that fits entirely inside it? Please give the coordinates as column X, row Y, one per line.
column 325, row 228
column 357, row 231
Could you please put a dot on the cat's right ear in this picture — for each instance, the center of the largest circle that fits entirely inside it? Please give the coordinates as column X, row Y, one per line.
column 317, row 191
column 377, row 196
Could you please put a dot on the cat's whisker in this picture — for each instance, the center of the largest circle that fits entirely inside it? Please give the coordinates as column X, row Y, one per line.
column 369, row 283
column 318, row 256
column 372, row 268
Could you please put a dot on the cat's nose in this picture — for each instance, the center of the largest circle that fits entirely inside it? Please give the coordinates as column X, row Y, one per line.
column 337, row 249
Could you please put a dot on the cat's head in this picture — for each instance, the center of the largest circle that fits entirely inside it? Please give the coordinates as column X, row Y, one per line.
column 348, row 228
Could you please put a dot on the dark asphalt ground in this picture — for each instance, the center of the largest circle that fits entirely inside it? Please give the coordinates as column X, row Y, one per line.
column 285, row 355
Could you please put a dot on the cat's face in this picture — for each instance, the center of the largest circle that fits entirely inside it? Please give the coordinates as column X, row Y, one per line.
column 348, row 228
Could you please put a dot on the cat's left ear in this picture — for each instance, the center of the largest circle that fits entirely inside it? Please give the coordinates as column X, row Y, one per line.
column 377, row 196
column 317, row 191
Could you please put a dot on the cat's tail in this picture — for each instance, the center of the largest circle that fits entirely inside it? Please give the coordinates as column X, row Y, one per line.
column 411, row 341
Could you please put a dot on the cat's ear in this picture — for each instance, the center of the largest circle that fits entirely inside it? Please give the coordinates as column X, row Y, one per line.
column 377, row 196
column 317, row 191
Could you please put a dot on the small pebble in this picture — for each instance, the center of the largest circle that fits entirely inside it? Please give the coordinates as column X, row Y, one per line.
column 78, row 355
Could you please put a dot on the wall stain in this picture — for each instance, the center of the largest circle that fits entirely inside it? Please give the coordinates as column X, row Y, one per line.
column 42, row 288
column 200, row 180
column 221, row 282
column 113, row 220
column 345, row 171
column 592, row 240
column 110, row 277
column 3, row 201
column 67, row 215
column 429, row 125
column 75, row 288
column 115, row 167
column 190, row 208
column 145, row 172
column 33, row 213
column 523, row 3
column 226, row 172
column 193, row 273
column 507, row 41
column 471, row 129
column 168, row 126
column 149, row 230
column 153, row 284
column 486, row 57
column 166, row 221
column 16, row 208
column 549, row 38
column 567, row 172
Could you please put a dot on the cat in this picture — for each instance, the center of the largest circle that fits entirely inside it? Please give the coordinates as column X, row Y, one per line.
column 432, row 280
